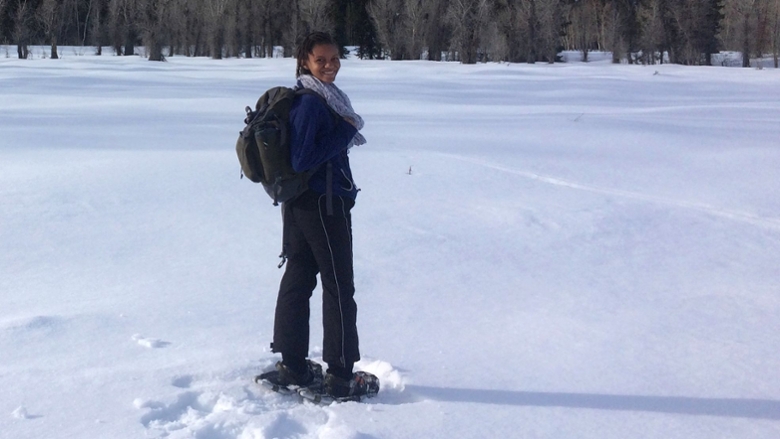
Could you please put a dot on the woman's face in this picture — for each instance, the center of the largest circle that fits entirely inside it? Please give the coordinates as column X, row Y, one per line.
column 324, row 62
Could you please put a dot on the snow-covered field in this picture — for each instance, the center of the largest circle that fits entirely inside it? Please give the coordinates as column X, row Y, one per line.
column 566, row 251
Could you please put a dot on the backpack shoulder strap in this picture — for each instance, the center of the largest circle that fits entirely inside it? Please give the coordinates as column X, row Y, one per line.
column 272, row 94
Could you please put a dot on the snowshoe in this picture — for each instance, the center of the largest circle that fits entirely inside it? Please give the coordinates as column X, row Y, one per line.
column 334, row 389
column 285, row 381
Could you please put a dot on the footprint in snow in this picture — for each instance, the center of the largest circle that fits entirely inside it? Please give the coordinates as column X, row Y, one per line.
column 182, row 382
column 21, row 413
column 230, row 405
column 151, row 343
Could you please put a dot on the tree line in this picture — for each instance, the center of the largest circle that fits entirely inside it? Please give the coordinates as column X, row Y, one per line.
column 469, row 31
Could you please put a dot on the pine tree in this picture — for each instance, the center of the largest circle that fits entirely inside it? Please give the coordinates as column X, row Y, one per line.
column 707, row 37
column 363, row 31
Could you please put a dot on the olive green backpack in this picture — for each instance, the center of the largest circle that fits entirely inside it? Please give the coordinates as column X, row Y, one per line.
column 263, row 146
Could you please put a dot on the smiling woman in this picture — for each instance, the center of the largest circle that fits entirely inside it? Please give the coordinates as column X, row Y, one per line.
column 322, row 62
column 317, row 233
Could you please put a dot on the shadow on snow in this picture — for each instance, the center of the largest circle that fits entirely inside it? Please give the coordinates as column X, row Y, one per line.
column 725, row 407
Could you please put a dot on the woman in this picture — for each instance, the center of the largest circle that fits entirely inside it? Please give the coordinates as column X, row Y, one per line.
column 317, row 234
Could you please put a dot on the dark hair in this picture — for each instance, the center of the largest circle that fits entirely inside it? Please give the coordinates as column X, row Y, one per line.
column 306, row 47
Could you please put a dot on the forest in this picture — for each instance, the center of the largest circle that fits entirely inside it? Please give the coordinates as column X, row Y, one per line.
column 469, row 31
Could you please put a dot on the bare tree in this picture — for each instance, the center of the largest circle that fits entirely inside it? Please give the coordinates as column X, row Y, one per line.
column 583, row 31
column 623, row 30
column 186, row 28
column 96, row 25
column 763, row 29
column 132, row 16
column 50, row 15
column 276, row 24
column 2, row 14
column 512, row 28
column 741, row 24
column 265, row 31
column 531, row 17
column 776, row 33
column 387, row 18
column 550, row 15
column 533, row 30
column 415, row 27
column 314, row 16
column 471, row 30
column 246, row 26
column 493, row 42
column 468, row 18
column 653, row 36
column 116, row 25
column 436, row 32
column 22, row 18
column 86, row 14
column 408, row 28
column 215, row 13
column 154, row 27
column 603, row 24
column 124, row 17
column 232, row 42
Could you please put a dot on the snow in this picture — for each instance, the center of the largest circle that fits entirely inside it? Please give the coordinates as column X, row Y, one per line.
column 544, row 251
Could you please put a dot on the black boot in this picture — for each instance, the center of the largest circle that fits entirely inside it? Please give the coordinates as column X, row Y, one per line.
column 284, row 380
column 362, row 384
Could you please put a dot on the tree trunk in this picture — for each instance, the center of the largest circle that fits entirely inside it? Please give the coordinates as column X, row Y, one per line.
column 746, row 41
column 615, row 34
column 155, row 52
column 155, row 48
column 532, row 33
column 776, row 35
column 130, row 43
column 217, row 42
column 97, row 30
column 249, row 43
column 54, row 47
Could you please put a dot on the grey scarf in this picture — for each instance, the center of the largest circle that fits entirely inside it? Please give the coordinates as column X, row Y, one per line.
column 338, row 100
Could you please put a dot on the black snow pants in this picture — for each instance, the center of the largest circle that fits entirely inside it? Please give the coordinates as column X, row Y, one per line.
column 317, row 243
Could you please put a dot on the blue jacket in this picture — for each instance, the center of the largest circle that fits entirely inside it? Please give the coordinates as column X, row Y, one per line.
column 317, row 138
